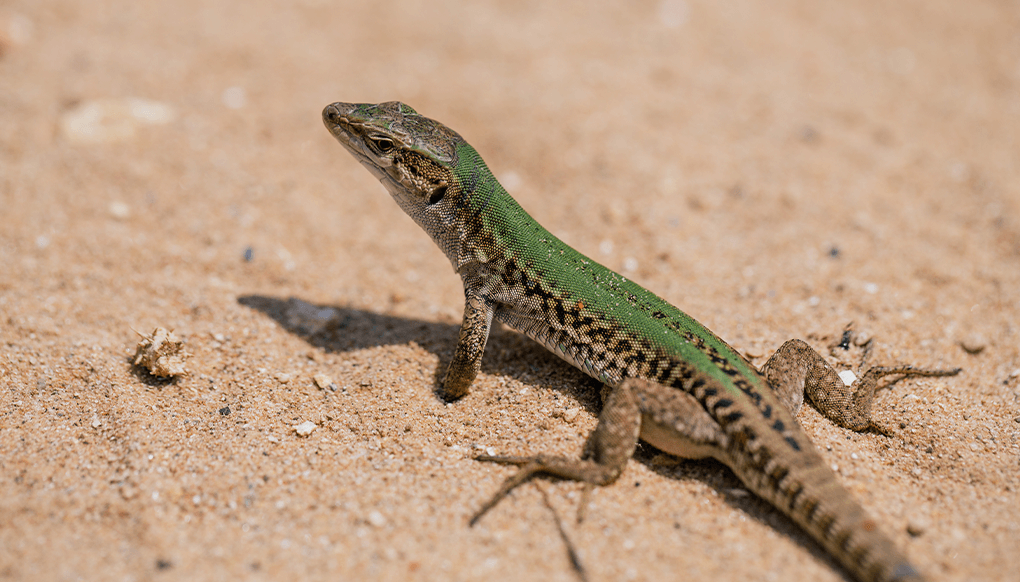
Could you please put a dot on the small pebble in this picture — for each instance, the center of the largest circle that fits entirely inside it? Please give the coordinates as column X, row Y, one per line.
column 916, row 526
column 848, row 377
column 119, row 210
column 861, row 338
column 973, row 343
column 570, row 414
column 305, row 428
column 322, row 381
column 376, row 519
column 283, row 377
column 308, row 318
column 225, row 410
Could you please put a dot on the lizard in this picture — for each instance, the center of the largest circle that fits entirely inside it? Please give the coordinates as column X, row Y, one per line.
column 667, row 379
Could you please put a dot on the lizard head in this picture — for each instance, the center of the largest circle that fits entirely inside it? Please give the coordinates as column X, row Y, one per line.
column 413, row 156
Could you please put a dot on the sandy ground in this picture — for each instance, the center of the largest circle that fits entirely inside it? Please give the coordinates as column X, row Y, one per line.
column 777, row 169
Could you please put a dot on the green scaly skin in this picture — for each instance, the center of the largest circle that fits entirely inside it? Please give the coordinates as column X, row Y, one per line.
column 674, row 382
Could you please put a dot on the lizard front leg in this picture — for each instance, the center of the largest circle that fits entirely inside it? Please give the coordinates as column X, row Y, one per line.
column 667, row 418
column 467, row 359
column 797, row 369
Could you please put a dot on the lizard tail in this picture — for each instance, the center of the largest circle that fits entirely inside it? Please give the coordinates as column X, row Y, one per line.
column 812, row 497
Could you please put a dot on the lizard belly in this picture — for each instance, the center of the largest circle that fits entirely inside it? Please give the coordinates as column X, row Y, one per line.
column 670, row 439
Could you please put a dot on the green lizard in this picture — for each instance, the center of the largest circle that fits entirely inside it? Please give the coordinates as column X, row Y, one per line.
column 668, row 379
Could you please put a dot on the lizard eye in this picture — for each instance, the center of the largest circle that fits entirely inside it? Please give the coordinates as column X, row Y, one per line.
column 382, row 144
column 437, row 195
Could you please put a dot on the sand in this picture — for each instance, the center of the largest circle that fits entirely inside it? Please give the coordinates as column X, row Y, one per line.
column 776, row 169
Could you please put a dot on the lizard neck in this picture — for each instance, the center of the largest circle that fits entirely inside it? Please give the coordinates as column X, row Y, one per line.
column 490, row 225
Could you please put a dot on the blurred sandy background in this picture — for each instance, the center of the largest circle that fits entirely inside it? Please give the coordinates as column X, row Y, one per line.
column 776, row 169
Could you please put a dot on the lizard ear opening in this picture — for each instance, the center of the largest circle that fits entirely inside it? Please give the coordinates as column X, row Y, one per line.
column 437, row 195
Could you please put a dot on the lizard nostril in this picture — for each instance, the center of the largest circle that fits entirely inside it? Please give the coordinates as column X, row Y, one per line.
column 331, row 114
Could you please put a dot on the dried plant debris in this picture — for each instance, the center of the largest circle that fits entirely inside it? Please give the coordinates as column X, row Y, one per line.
column 161, row 353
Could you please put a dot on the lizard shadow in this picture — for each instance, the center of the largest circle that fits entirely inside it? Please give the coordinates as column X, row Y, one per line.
column 342, row 329
column 337, row 329
column 736, row 495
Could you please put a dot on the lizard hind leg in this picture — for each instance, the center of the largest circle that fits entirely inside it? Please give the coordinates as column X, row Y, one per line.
column 607, row 451
column 864, row 387
column 797, row 369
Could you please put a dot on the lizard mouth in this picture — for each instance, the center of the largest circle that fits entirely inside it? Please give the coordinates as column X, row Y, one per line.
column 337, row 119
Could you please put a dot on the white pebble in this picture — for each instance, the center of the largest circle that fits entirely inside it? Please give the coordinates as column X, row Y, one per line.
column 119, row 210
column 916, row 526
column 376, row 519
column 570, row 414
column 305, row 428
